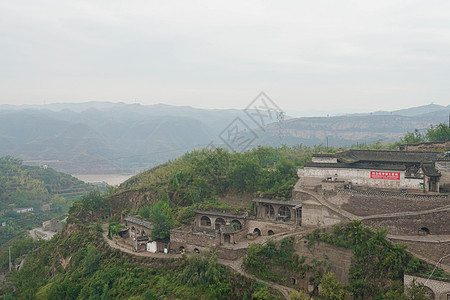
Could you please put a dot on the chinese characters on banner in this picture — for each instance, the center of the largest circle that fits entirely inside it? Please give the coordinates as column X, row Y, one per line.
column 385, row 175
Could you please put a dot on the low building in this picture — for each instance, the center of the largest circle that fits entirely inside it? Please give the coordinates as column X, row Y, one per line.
column 287, row 211
column 402, row 171
column 52, row 225
column 23, row 210
column 210, row 229
column 139, row 231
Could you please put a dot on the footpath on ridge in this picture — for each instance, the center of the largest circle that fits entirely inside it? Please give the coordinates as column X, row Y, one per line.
column 235, row 265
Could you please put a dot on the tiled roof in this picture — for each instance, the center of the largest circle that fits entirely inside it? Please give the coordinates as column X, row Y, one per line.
column 140, row 222
column 352, row 156
column 429, row 169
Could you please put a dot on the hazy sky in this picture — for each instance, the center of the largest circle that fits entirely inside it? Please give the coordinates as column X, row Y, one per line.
column 306, row 55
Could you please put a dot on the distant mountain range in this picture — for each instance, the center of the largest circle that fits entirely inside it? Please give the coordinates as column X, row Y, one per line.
column 104, row 137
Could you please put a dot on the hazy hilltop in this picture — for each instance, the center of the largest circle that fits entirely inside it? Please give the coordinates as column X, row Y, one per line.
column 104, row 137
column 346, row 130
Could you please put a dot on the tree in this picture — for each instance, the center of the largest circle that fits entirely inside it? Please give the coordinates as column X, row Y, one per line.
column 416, row 291
column 331, row 288
column 162, row 220
column 300, row 295
column 144, row 212
column 440, row 133
column 200, row 270
column 412, row 137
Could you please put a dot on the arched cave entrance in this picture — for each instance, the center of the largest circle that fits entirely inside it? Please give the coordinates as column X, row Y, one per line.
column 205, row 221
column 284, row 213
column 227, row 238
column 236, row 225
column 270, row 232
column 257, row 231
column 424, row 231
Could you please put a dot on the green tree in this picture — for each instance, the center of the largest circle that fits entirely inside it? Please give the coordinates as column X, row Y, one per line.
column 412, row 137
column 162, row 220
column 440, row 133
column 200, row 270
column 91, row 262
column 300, row 295
column 416, row 291
column 331, row 288
column 144, row 212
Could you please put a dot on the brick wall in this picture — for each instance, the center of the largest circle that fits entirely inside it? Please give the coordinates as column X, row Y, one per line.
column 438, row 223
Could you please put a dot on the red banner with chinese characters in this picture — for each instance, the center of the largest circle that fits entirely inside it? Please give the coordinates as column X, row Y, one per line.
column 385, row 175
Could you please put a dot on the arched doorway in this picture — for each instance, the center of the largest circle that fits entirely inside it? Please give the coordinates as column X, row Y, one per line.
column 284, row 213
column 270, row 211
column 227, row 238
column 143, row 233
column 429, row 293
column 196, row 250
column 181, row 250
column 236, row 225
column 219, row 222
column 205, row 222
column 257, row 231
column 270, row 232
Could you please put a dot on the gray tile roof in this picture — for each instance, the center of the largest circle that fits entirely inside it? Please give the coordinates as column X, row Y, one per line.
column 139, row 221
column 352, row 156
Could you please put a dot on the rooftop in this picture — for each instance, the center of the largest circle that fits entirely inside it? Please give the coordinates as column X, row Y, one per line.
column 281, row 202
column 139, row 221
column 222, row 214
column 351, row 156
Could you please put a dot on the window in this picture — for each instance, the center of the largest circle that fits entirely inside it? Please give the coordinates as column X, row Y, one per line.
column 236, row 225
column 205, row 221
column 284, row 213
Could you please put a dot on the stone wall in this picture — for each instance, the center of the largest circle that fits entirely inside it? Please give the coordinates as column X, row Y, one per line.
column 138, row 230
column 366, row 205
column 265, row 226
column 315, row 214
column 438, row 223
column 444, row 182
column 431, row 250
column 183, row 237
column 340, row 259
column 427, row 146
column 439, row 287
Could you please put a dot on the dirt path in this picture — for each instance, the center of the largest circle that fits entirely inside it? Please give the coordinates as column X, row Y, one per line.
column 38, row 233
column 236, row 265
column 114, row 243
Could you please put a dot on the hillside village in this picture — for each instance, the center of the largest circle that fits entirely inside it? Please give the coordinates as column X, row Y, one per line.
column 406, row 192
